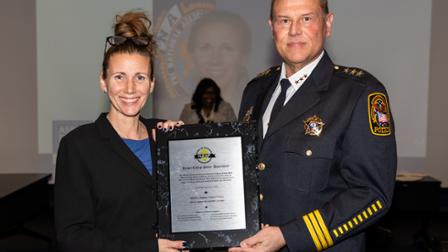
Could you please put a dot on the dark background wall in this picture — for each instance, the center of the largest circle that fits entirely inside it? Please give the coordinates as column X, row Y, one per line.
column 437, row 162
column 18, row 87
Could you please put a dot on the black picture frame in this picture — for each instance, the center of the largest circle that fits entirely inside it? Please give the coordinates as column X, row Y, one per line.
column 216, row 238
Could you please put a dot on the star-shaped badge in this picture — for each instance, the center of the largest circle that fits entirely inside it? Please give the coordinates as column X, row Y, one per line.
column 313, row 126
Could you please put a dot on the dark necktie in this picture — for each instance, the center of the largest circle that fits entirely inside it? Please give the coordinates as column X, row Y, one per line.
column 278, row 105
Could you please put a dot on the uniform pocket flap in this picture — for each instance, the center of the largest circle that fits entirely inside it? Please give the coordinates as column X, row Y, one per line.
column 315, row 148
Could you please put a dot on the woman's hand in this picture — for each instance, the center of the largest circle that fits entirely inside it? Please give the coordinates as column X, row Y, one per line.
column 166, row 245
column 166, row 125
column 169, row 125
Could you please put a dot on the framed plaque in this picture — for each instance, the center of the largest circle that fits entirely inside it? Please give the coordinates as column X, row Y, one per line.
column 207, row 190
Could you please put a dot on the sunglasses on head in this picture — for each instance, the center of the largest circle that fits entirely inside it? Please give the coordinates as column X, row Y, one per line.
column 118, row 40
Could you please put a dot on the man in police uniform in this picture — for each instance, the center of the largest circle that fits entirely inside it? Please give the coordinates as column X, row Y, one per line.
column 327, row 149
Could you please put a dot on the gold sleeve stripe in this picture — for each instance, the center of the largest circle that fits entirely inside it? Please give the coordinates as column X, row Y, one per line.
column 335, row 232
column 378, row 203
column 365, row 214
column 323, row 227
column 319, row 232
column 312, row 233
column 350, row 224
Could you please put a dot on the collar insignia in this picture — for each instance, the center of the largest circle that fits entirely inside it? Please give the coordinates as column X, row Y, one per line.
column 313, row 126
column 248, row 114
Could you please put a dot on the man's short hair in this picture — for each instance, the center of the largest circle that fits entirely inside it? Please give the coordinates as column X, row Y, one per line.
column 323, row 5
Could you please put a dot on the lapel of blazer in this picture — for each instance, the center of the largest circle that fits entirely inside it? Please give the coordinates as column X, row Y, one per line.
column 306, row 97
column 109, row 134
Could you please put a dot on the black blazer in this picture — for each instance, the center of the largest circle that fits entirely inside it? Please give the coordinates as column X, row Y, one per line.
column 324, row 190
column 104, row 195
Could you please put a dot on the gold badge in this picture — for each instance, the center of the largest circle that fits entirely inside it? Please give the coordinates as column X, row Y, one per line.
column 248, row 114
column 379, row 114
column 313, row 126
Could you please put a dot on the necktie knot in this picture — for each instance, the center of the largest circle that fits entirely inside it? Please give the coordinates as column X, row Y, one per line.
column 285, row 84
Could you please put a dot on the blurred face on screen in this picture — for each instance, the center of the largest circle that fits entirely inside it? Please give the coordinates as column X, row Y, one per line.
column 299, row 28
column 217, row 52
column 127, row 84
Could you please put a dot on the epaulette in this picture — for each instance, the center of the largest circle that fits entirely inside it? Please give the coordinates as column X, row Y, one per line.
column 268, row 72
column 352, row 72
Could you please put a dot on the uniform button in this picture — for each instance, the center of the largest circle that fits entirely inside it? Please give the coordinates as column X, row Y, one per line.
column 261, row 166
column 261, row 197
column 308, row 153
column 336, row 67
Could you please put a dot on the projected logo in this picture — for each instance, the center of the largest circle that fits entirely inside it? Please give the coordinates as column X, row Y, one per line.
column 204, row 155
column 172, row 31
column 61, row 128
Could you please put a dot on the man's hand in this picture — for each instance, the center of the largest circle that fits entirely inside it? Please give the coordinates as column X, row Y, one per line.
column 269, row 239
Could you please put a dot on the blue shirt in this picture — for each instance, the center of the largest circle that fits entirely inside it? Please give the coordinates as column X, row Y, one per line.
column 142, row 150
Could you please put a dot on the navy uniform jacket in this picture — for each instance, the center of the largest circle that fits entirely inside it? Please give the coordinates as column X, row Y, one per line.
column 328, row 161
column 104, row 195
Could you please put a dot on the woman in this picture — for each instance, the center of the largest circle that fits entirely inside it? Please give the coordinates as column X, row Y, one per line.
column 207, row 105
column 104, row 191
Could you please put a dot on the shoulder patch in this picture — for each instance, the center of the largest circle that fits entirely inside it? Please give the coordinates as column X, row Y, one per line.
column 379, row 114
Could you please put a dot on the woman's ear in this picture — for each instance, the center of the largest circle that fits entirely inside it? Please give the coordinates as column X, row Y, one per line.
column 103, row 85
column 153, row 82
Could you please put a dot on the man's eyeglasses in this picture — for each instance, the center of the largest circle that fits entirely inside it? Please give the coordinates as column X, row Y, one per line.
column 118, row 40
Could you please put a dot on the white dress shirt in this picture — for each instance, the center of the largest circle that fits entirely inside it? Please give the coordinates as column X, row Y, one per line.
column 297, row 79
